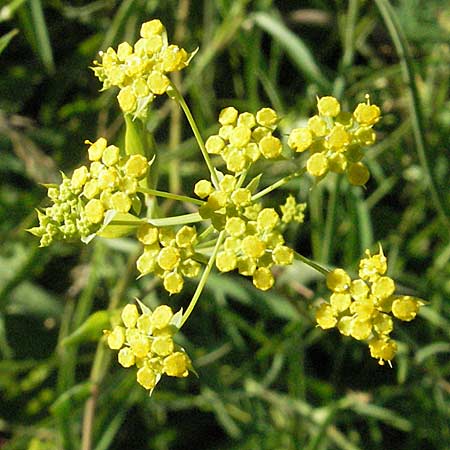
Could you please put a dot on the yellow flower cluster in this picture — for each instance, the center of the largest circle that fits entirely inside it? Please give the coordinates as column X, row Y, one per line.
column 335, row 139
column 141, row 71
column 146, row 340
column 253, row 242
column 292, row 211
column 80, row 202
column 244, row 138
column 168, row 254
column 365, row 308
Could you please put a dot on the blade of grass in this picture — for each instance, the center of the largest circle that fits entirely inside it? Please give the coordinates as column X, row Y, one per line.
column 43, row 45
column 101, row 362
column 6, row 39
column 338, row 90
column 294, row 46
column 121, row 16
column 398, row 37
column 68, row 356
column 365, row 229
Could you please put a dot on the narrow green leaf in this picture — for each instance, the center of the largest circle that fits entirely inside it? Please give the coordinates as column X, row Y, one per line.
column 122, row 15
column 409, row 77
column 6, row 38
column 382, row 414
column 43, row 45
column 294, row 46
column 76, row 394
column 90, row 330
column 430, row 350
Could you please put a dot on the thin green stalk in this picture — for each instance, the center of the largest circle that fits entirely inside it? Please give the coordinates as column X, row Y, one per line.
column 175, row 115
column 338, row 90
column 101, row 360
column 312, row 264
column 181, row 198
column 330, row 221
column 278, row 184
column 68, row 356
column 206, row 233
column 180, row 99
column 315, row 207
column 203, row 279
column 349, row 48
column 242, row 178
column 176, row 220
column 415, row 107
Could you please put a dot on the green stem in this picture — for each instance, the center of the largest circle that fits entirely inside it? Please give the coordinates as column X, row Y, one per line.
column 330, row 221
column 203, row 279
column 180, row 99
column 278, row 184
column 176, row 220
column 311, row 263
column 68, row 356
column 415, row 108
column 242, row 178
column 204, row 234
column 181, row 198
column 102, row 359
column 338, row 90
column 126, row 222
column 349, row 48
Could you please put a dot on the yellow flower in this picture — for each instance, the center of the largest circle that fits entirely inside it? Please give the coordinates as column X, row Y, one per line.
column 177, row 365
column 328, row 107
column 146, row 377
column 367, row 114
column 116, row 338
column 365, row 308
column 300, row 139
column 161, row 317
column 94, row 211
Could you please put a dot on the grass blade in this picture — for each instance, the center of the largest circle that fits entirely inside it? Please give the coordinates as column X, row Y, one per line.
column 294, row 46
column 6, row 38
column 390, row 18
column 43, row 46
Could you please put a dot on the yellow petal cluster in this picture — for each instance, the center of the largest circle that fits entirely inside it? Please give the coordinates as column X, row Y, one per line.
column 366, row 308
column 335, row 139
column 244, row 138
column 168, row 254
column 253, row 234
column 140, row 71
column 292, row 211
column 80, row 202
column 145, row 340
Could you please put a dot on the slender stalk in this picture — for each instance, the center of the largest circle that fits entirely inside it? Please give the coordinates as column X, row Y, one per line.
column 101, row 360
column 330, row 221
column 338, row 91
column 310, row 263
column 176, row 220
column 68, row 356
column 181, row 198
column 415, row 107
column 180, row 99
column 206, row 233
column 278, row 184
column 175, row 114
column 203, row 279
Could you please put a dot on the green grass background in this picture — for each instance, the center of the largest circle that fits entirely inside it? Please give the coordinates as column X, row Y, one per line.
column 268, row 378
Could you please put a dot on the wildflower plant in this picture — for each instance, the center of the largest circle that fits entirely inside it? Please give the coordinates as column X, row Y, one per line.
column 232, row 229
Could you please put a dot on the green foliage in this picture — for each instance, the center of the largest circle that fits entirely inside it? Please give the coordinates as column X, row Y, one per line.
column 268, row 378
